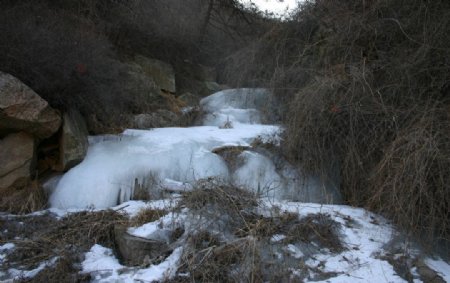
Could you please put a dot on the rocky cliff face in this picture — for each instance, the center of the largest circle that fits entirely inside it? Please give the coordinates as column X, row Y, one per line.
column 21, row 109
column 34, row 138
column 37, row 140
column 17, row 155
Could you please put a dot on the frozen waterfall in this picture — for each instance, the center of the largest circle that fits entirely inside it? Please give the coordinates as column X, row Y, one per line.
column 114, row 164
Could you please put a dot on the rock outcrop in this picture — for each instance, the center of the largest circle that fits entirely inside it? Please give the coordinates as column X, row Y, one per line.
column 74, row 140
column 160, row 118
column 21, row 109
column 197, row 79
column 17, row 155
column 161, row 73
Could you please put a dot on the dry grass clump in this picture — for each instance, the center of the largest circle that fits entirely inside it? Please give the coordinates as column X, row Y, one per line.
column 146, row 216
column 219, row 205
column 230, row 154
column 208, row 261
column 43, row 238
column 31, row 198
column 319, row 229
column 223, row 197
column 62, row 271
column 316, row 228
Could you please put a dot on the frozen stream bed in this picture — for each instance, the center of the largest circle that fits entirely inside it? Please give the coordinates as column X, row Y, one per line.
column 240, row 212
column 232, row 120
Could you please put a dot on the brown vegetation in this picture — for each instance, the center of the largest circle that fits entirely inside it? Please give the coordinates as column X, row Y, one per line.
column 42, row 238
column 233, row 241
column 365, row 86
column 27, row 200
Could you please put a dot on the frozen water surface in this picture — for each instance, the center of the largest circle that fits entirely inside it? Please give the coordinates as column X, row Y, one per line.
column 113, row 164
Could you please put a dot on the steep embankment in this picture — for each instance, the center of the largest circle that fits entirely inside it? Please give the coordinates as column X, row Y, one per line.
column 365, row 86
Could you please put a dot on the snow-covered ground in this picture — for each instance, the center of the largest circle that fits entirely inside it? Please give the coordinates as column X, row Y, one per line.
column 175, row 159
column 366, row 237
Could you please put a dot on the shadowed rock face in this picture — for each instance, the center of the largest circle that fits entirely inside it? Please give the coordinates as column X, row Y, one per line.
column 161, row 73
column 21, row 109
column 17, row 157
column 74, row 140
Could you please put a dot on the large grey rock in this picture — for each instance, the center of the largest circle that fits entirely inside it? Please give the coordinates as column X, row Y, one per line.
column 160, row 118
column 198, row 72
column 197, row 79
column 189, row 99
column 161, row 73
column 197, row 87
column 21, row 109
column 17, row 155
column 135, row 250
column 74, row 140
column 212, row 87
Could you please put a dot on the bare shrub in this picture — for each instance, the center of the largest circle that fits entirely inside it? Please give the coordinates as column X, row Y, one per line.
column 365, row 87
column 146, row 216
column 411, row 181
column 221, row 204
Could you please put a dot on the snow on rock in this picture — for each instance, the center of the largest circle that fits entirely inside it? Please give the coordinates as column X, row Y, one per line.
column 159, row 230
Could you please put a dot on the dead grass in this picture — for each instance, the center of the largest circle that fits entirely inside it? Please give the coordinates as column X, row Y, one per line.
column 225, row 198
column 230, row 154
column 240, row 249
column 317, row 229
column 214, row 263
column 146, row 216
column 42, row 238
column 31, row 198
column 366, row 92
column 62, row 271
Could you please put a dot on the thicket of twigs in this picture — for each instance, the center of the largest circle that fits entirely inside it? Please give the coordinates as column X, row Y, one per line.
column 366, row 86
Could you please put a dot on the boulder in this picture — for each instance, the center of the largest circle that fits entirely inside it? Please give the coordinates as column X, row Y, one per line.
column 190, row 99
column 21, row 109
column 161, row 73
column 197, row 79
column 17, row 155
column 74, row 140
column 135, row 250
column 160, row 118
column 197, row 71
column 212, row 87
